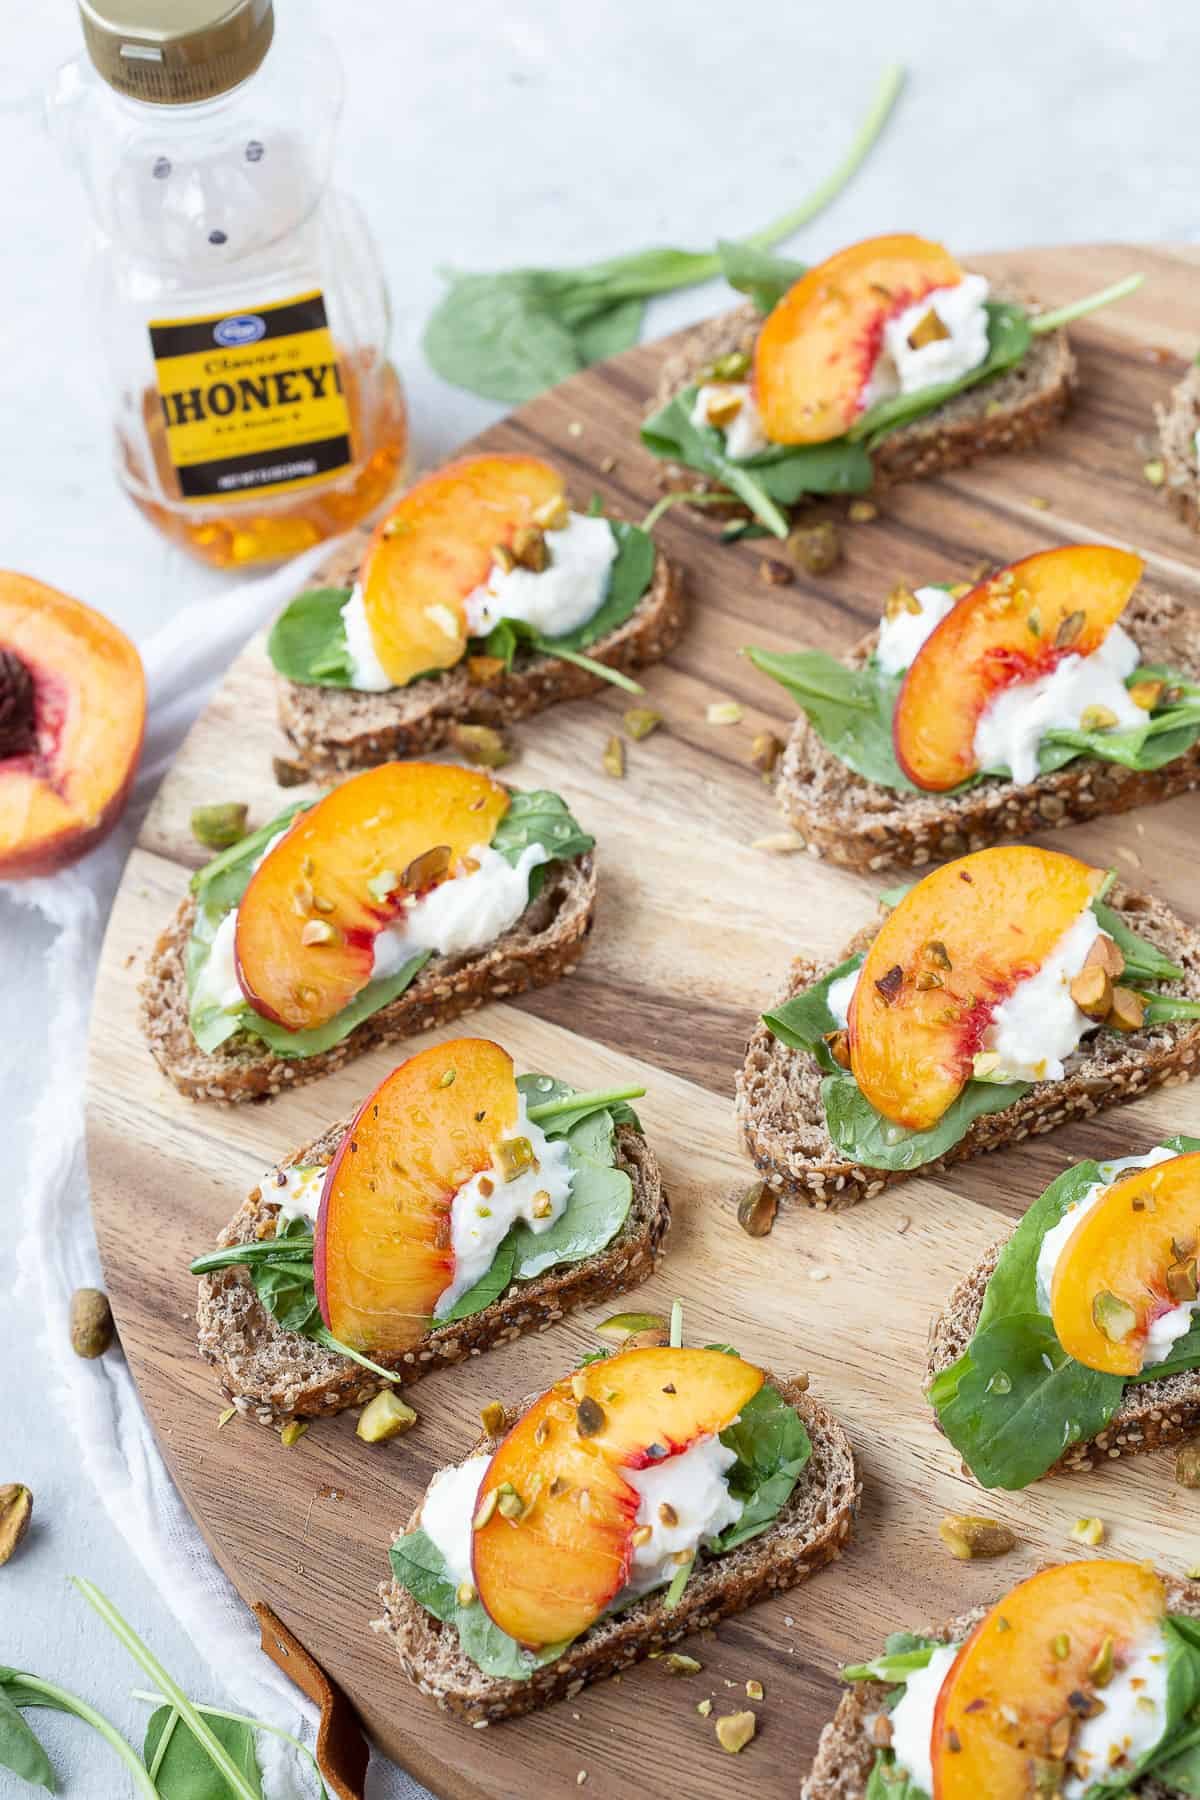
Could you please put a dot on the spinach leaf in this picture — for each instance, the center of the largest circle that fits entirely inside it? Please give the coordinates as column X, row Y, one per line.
column 491, row 1284
column 419, row 1568
column 866, row 1137
column 509, row 335
column 629, row 575
column 539, row 817
column 1175, row 1759
column 598, row 1207
column 184, row 1769
column 805, row 1021
column 772, row 1448
column 376, row 995
column 849, row 709
column 1009, row 338
column 287, row 1289
column 20, row 1750
column 758, row 272
column 888, row 1782
column 221, row 883
column 1143, row 962
column 308, row 640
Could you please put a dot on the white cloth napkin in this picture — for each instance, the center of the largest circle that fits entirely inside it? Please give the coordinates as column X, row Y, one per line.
column 57, row 1250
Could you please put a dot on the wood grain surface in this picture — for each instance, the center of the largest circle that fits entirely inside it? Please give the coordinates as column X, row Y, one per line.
column 694, row 934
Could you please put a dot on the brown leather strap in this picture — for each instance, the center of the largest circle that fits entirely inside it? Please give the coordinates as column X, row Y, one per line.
column 341, row 1748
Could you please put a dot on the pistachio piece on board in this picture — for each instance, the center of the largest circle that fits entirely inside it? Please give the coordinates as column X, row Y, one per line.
column 91, row 1323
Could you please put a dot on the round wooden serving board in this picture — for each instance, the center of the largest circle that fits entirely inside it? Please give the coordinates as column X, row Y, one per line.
column 694, row 934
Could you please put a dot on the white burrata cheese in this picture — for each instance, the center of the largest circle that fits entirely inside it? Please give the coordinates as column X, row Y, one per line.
column 484, row 1208
column 744, row 435
column 296, row 1190
column 840, row 994
column 367, row 672
column 1039, row 1024
column 1012, row 726
column 902, row 636
column 448, row 1510
column 686, row 1502
column 560, row 597
column 1133, row 1720
column 901, row 369
column 476, row 905
column 912, row 1717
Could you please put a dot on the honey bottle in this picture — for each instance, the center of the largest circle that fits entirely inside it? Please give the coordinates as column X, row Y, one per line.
column 241, row 307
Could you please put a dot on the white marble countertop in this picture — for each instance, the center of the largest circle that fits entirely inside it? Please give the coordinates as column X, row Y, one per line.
column 486, row 135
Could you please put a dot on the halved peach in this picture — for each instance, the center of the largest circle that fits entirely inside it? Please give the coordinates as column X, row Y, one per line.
column 817, row 348
column 436, row 546
column 72, row 713
column 1131, row 1258
column 547, row 1562
column 382, row 1253
column 1015, row 626
column 308, row 920
column 1018, row 1685
column 953, row 949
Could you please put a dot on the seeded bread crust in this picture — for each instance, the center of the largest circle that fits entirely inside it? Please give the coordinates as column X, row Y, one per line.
column 331, row 730
column 782, row 1119
column 545, row 943
column 1177, row 427
column 1011, row 412
column 273, row 1375
column 811, row 1530
column 1151, row 1414
column 849, row 820
column 846, row 1751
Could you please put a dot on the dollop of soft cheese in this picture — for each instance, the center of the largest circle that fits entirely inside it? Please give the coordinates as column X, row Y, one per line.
column 1039, row 1024
column 367, row 672
column 556, row 599
column 474, row 907
column 743, row 433
column 1013, row 725
column 1133, row 1720
column 448, row 1511
column 686, row 1502
column 912, row 1717
column 1055, row 1240
column 486, row 1206
column 217, row 983
column 296, row 1190
column 901, row 636
column 902, row 369
column 839, row 995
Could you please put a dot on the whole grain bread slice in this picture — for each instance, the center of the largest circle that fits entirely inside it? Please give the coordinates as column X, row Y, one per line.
column 811, row 1530
column 852, row 821
column 272, row 1375
column 782, row 1118
column 1151, row 1413
column 545, row 943
column 846, row 1749
column 1011, row 412
column 1178, row 424
column 331, row 729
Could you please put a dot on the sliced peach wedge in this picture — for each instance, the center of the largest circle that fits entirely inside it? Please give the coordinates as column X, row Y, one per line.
column 1130, row 1259
column 72, row 712
column 554, row 1521
column 382, row 1250
column 1018, row 1687
column 818, row 346
column 1014, row 627
column 308, row 920
column 953, row 948
column 436, row 546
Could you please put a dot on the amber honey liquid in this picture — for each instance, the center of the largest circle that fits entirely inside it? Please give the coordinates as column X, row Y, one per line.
column 233, row 533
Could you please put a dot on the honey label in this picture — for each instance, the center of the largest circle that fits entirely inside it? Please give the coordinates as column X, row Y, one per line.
column 252, row 401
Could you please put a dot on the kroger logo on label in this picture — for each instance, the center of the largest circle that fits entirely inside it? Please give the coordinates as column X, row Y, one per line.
column 243, row 328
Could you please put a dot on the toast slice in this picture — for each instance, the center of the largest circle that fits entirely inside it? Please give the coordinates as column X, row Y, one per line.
column 846, row 1749
column 1151, row 1414
column 1011, row 412
column 330, row 730
column 545, row 943
column 811, row 1530
column 273, row 1375
column 782, row 1120
column 1177, row 427
column 849, row 820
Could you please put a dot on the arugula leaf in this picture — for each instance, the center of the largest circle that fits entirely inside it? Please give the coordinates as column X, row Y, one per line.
column 758, row 272
column 419, row 1568
column 20, row 1750
column 772, row 1447
column 182, row 1768
column 1009, row 338
column 510, row 334
column 864, row 1135
column 307, row 642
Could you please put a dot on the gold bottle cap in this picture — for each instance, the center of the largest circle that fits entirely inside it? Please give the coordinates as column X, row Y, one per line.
column 171, row 52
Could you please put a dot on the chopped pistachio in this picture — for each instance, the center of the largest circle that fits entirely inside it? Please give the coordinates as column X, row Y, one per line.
column 1155, row 471
column 861, row 512
column 754, row 1690
column 218, row 826
column 1100, row 1670
column 1091, row 990
column 487, row 1507
column 382, row 885
column 1060, row 1644
column 679, row 1664
column 553, row 514
column 1088, row 1531
column 613, row 759
column 1113, row 1316
column 622, row 1326
column 224, row 1417
column 1069, row 629
column 723, row 712
column 1147, row 694
column 816, row 548
column 481, row 745
column 775, row 572
column 735, row 1730
column 510, row 1505
column 1097, row 718
column 1128, row 1010
column 465, row 1594
column 640, row 721
column 757, row 1208
column 16, row 1510
column 765, row 751
column 967, row 1536
column 515, row 1156
column 928, row 330
column 384, row 1418
column 317, row 931
column 704, row 1707
column 494, row 1418
column 530, row 549
column 292, row 1432
column 483, row 670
